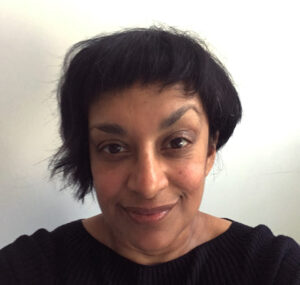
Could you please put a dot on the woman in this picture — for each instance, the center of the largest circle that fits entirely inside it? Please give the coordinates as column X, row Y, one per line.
column 143, row 113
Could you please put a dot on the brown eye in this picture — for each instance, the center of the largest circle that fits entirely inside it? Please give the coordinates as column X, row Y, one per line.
column 178, row 143
column 113, row 148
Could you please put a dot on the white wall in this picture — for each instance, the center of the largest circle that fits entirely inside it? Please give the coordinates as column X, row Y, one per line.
column 256, row 179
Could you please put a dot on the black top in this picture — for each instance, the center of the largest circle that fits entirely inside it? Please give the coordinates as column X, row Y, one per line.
column 70, row 255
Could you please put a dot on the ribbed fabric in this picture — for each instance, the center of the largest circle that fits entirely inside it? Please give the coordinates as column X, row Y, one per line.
column 69, row 255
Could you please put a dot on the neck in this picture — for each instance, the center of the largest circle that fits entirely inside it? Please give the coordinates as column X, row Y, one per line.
column 202, row 229
column 159, row 252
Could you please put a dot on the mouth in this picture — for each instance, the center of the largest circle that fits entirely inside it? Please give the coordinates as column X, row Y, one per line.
column 142, row 215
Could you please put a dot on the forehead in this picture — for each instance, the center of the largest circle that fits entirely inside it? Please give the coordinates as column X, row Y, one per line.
column 143, row 100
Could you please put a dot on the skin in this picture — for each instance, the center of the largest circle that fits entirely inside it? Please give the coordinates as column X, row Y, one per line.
column 149, row 148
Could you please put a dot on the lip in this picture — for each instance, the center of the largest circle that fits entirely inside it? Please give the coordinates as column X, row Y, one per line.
column 147, row 215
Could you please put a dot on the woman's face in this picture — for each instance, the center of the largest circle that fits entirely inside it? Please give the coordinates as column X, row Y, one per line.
column 149, row 158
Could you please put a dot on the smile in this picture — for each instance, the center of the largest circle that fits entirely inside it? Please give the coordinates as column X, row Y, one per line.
column 148, row 215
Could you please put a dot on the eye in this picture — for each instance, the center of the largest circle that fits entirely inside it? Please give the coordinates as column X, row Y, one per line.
column 178, row 143
column 113, row 148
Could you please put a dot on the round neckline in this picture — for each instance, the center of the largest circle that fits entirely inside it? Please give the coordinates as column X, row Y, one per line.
column 116, row 256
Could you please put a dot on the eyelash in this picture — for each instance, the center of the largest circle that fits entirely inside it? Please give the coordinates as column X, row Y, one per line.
column 109, row 145
column 181, row 138
column 168, row 147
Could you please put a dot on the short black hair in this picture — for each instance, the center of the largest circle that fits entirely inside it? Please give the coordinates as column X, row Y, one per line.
column 116, row 61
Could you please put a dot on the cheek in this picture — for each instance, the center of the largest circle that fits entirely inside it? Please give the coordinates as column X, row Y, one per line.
column 191, row 178
column 108, row 184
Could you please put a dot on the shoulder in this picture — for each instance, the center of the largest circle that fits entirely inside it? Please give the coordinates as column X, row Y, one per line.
column 276, row 258
column 261, row 237
column 34, row 257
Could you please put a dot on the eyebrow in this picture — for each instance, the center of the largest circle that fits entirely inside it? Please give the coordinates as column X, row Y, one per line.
column 116, row 129
column 175, row 116
column 109, row 128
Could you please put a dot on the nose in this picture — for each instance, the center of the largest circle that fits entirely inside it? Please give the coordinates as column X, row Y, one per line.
column 147, row 176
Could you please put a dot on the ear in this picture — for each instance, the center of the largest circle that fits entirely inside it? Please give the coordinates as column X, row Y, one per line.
column 210, row 161
column 211, row 154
